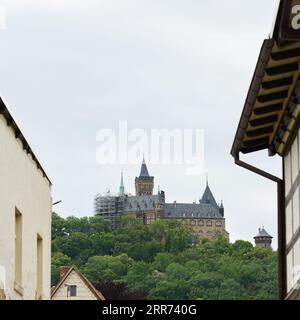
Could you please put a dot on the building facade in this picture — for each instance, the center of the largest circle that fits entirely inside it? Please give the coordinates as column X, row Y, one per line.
column 206, row 218
column 25, row 215
column 73, row 285
column 292, row 212
column 271, row 121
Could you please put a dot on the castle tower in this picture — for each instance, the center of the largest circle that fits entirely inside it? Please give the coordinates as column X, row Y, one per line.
column 263, row 239
column 144, row 184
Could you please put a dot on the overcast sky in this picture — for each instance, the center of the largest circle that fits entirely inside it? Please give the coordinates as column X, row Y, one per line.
column 71, row 67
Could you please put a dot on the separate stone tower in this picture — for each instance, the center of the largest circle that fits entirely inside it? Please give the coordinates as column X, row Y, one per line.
column 144, row 184
column 263, row 239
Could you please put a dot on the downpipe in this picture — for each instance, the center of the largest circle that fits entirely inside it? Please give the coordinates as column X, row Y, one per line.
column 282, row 271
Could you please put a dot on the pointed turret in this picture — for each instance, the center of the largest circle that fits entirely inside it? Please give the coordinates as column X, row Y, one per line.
column 208, row 198
column 122, row 188
column 144, row 170
column 221, row 209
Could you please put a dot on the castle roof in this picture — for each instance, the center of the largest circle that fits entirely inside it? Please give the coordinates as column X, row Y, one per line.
column 262, row 233
column 190, row 210
column 208, row 198
column 144, row 170
column 141, row 203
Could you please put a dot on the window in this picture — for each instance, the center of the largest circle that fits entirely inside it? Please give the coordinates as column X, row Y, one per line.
column 18, row 249
column 290, row 270
column 289, row 223
column 296, row 268
column 219, row 223
column 200, row 223
column 296, row 210
column 209, row 223
column 288, row 173
column 295, row 161
column 73, row 291
column 39, row 267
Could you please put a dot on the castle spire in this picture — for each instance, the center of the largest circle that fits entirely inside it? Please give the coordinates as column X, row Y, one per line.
column 144, row 170
column 206, row 179
column 122, row 188
column 208, row 198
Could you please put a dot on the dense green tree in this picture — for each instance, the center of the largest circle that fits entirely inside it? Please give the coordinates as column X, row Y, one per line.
column 161, row 260
column 103, row 268
column 231, row 290
column 139, row 277
column 75, row 245
column 58, row 228
column 58, row 260
column 176, row 271
column 103, row 243
column 170, row 290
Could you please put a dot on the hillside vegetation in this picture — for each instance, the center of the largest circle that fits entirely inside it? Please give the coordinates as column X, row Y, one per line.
column 161, row 261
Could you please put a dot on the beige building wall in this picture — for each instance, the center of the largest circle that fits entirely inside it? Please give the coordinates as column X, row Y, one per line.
column 207, row 228
column 83, row 292
column 23, row 189
column 292, row 181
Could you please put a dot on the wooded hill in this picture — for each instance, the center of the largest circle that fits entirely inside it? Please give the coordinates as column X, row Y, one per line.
column 161, row 261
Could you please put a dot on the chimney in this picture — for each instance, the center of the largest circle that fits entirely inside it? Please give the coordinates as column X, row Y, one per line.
column 62, row 271
column 175, row 204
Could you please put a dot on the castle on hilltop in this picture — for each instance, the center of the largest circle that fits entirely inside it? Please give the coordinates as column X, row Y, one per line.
column 206, row 218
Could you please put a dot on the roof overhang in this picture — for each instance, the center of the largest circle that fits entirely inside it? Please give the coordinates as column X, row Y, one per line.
column 4, row 111
column 272, row 108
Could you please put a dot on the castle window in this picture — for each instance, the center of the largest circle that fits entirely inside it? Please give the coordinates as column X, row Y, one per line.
column 219, row 223
column 209, row 223
column 200, row 223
